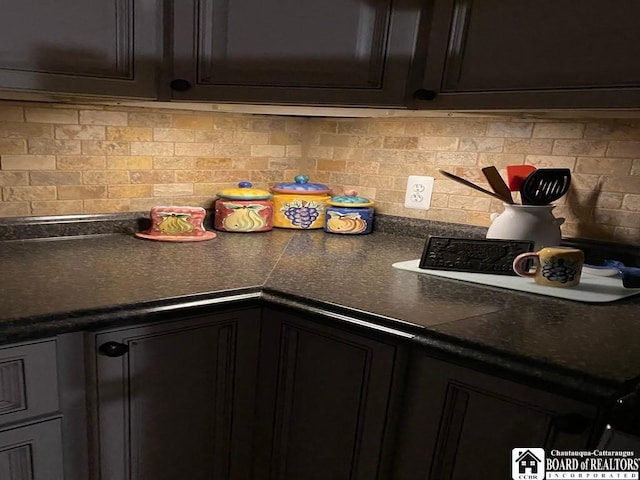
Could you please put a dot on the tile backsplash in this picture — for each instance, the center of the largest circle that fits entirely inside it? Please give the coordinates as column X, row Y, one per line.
column 61, row 159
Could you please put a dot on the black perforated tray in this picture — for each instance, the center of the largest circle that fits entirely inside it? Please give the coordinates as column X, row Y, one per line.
column 472, row 255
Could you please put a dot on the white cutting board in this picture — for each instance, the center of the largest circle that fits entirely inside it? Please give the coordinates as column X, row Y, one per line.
column 592, row 288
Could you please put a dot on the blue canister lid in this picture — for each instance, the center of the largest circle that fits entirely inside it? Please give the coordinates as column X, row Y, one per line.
column 300, row 185
column 350, row 199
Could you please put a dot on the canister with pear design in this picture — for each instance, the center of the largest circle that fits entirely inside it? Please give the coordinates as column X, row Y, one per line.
column 243, row 209
column 349, row 214
column 300, row 204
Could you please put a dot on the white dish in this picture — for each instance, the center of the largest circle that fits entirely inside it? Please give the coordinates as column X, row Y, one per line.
column 600, row 270
column 592, row 288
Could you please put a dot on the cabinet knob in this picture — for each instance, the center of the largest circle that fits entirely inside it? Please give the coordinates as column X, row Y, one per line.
column 424, row 94
column 572, row 423
column 625, row 414
column 180, row 85
column 113, row 349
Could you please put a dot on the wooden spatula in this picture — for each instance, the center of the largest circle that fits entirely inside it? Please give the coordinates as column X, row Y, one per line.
column 516, row 175
column 497, row 184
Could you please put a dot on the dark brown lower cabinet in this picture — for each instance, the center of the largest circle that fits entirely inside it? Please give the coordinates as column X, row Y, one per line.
column 175, row 400
column 461, row 424
column 328, row 401
column 32, row 452
column 279, row 394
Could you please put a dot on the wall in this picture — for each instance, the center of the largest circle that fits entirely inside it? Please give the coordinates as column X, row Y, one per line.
column 375, row 156
column 60, row 159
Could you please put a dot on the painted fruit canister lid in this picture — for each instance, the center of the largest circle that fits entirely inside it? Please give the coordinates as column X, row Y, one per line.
column 244, row 191
column 300, row 185
column 350, row 199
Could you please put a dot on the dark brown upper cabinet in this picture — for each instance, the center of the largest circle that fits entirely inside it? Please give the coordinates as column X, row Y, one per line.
column 94, row 47
column 531, row 53
column 294, row 51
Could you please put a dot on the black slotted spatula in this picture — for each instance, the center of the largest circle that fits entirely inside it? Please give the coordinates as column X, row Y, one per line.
column 545, row 185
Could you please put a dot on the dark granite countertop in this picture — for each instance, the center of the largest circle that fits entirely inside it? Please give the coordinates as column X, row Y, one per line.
column 64, row 284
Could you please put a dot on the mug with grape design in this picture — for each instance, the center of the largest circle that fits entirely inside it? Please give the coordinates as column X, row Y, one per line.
column 555, row 266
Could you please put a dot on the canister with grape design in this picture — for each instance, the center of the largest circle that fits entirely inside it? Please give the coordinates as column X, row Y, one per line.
column 349, row 214
column 300, row 204
column 243, row 209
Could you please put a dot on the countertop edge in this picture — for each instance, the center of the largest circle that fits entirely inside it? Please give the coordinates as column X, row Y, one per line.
column 19, row 330
column 452, row 349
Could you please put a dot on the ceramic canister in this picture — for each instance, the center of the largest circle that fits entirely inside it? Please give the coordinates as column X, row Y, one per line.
column 349, row 214
column 244, row 209
column 299, row 204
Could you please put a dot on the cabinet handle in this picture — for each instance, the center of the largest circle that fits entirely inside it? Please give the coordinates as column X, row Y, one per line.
column 424, row 94
column 625, row 413
column 180, row 85
column 572, row 423
column 113, row 349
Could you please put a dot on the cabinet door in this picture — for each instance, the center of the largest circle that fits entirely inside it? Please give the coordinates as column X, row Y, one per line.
column 327, row 402
column 32, row 452
column 534, row 53
column 294, row 51
column 28, row 381
column 460, row 424
column 101, row 47
column 179, row 403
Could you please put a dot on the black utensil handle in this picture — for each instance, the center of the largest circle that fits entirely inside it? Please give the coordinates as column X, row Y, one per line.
column 455, row 178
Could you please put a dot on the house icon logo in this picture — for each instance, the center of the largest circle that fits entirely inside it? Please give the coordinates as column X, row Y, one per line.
column 527, row 464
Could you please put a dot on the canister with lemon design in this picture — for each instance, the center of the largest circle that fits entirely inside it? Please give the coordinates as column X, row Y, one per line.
column 349, row 214
column 243, row 209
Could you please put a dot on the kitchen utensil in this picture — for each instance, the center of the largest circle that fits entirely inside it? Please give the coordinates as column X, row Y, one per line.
column 349, row 214
column 555, row 266
column 545, row 185
column 516, row 175
column 455, row 178
column 497, row 183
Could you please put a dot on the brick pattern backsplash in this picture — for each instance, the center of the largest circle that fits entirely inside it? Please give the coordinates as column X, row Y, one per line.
column 60, row 159
column 68, row 159
column 375, row 156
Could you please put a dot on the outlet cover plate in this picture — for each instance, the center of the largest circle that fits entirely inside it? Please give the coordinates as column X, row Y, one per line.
column 418, row 193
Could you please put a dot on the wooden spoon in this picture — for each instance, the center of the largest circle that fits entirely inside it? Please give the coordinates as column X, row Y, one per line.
column 497, row 184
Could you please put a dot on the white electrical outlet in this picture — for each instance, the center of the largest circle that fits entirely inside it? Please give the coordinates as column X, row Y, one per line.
column 418, row 194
